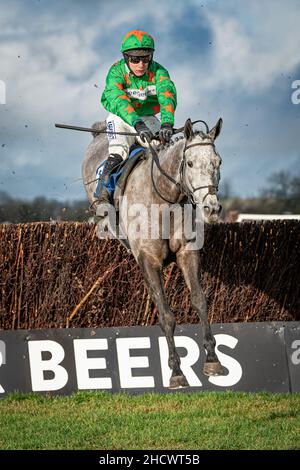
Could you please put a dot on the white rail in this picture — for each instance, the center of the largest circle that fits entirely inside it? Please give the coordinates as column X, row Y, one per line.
column 245, row 217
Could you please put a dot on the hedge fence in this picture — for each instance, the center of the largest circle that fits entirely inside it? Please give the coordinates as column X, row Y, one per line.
column 61, row 275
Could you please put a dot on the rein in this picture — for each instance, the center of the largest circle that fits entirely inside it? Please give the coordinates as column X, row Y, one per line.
column 155, row 159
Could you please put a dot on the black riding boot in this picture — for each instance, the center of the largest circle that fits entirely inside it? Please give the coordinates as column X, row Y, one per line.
column 112, row 162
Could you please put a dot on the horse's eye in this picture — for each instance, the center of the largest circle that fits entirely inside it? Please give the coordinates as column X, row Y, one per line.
column 190, row 164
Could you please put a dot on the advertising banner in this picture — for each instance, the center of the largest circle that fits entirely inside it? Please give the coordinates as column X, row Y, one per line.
column 255, row 357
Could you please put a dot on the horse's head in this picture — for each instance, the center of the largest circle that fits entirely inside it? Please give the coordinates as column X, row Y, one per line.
column 201, row 166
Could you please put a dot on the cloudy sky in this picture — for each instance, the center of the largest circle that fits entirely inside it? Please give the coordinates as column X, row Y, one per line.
column 235, row 59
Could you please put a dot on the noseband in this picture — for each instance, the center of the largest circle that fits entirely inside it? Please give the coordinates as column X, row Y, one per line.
column 181, row 185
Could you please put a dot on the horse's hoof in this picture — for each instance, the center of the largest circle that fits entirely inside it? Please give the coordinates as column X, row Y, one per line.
column 213, row 368
column 178, row 381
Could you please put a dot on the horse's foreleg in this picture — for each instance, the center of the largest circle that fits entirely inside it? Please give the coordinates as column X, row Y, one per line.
column 188, row 261
column 153, row 276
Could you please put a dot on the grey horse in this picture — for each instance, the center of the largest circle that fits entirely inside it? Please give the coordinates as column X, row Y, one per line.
column 187, row 174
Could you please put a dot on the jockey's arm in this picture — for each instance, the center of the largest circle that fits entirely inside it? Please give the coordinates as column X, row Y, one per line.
column 166, row 95
column 115, row 100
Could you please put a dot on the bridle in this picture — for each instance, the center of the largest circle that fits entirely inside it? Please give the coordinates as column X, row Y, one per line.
column 181, row 184
column 212, row 190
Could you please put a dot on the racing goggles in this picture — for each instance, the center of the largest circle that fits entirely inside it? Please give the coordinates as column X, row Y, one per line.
column 137, row 59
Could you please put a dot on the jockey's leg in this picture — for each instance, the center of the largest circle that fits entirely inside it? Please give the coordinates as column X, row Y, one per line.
column 118, row 147
column 119, row 144
column 111, row 163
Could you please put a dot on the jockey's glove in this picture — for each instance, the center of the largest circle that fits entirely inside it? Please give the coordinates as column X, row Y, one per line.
column 144, row 132
column 166, row 132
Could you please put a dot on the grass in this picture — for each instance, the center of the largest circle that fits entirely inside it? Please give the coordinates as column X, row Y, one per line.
column 99, row 420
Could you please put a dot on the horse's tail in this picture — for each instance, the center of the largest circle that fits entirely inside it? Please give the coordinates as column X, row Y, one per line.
column 98, row 126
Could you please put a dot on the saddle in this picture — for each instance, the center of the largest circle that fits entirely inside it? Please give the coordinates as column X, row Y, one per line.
column 118, row 178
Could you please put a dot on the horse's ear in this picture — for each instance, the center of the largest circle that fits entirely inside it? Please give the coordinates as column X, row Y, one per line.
column 215, row 131
column 188, row 129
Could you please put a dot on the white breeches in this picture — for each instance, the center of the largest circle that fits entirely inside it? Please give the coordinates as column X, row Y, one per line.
column 121, row 144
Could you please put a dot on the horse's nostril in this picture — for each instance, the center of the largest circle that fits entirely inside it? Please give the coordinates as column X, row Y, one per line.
column 206, row 210
column 209, row 211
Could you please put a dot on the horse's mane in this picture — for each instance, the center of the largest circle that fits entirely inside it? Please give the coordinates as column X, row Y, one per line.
column 162, row 146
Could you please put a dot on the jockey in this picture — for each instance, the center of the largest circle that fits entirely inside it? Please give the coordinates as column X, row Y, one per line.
column 137, row 88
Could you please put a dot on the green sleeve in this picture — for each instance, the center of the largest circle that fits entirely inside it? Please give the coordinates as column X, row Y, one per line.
column 166, row 95
column 115, row 100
